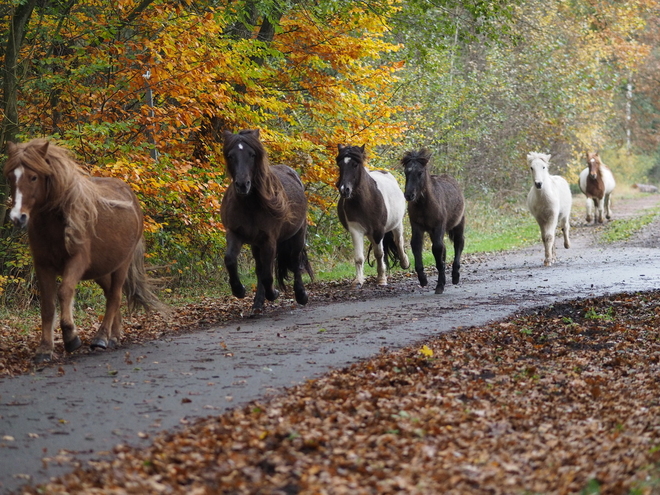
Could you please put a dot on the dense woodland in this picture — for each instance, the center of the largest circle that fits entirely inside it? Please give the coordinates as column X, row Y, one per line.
column 142, row 90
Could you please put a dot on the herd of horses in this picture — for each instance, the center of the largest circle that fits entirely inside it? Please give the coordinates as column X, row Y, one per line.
column 91, row 228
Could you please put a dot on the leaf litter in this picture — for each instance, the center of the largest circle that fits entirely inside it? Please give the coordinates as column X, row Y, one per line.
column 558, row 400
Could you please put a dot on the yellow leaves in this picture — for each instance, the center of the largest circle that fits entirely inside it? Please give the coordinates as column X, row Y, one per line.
column 426, row 351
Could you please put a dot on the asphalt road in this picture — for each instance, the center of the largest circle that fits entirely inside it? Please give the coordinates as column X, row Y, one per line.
column 83, row 409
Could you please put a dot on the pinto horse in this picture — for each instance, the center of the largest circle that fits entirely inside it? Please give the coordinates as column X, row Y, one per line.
column 549, row 200
column 435, row 205
column 597, row 184
column 264, row 206
column 371, row 203
column 79, row 228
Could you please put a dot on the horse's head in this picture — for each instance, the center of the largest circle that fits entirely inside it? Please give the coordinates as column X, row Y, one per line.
column 593, row 162
column 415, row 167
column 244, row 156
column 350, row 161
column 27, row 171
column 539, row 164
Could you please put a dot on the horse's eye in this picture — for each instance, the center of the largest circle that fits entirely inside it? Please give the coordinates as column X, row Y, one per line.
column 34, row 178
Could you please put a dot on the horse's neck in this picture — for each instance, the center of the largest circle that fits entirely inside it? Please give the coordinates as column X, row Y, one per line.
column 368, row 187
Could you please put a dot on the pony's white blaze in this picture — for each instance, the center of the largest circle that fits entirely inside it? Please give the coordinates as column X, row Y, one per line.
column 240, row 146
column 15, row 212
column 347, row 159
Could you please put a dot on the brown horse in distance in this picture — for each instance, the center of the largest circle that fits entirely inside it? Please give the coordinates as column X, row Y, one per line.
column 264, row 206
column 79, row 228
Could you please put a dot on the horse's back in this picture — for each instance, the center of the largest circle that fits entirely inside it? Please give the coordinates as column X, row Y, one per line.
column 393, row 197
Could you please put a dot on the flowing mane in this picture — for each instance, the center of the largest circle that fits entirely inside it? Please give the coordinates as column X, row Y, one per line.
column 70, row 189
column 267, row 184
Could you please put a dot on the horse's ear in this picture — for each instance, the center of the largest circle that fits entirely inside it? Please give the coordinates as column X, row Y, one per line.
column 43, row 150
column 11, row 148
column 340, row 147
column 547, row 158
column 227, row 134
column 362, row 148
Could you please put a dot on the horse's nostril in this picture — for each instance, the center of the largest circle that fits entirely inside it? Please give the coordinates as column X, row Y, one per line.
column 538, row 185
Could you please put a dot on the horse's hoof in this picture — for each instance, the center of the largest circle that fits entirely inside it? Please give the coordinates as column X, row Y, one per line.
column 273, row 295
column 439, row 290
column 423, row 281
column 302, row 298
column 72, row 345
column 382, row 283
column 98, row 343
column 455, row 278
column 113, row 344
column 43, row 357
column 238, row 292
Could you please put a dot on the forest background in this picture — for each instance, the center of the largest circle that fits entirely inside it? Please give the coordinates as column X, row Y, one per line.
column 142, row 90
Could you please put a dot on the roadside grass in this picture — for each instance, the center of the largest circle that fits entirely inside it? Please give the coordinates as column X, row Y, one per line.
column 623, row 229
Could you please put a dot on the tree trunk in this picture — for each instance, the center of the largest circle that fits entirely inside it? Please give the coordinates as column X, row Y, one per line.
column 9, row 128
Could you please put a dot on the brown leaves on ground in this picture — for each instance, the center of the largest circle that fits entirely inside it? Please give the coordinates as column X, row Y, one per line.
column 555, row 401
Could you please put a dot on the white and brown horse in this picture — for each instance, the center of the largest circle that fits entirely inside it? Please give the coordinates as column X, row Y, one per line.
column 371, row 204
column 597, row 183
column 79, row 228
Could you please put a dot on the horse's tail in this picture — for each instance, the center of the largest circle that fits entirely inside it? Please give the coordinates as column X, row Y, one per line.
column 137, row 286
column 285, row 262
column 390, row 251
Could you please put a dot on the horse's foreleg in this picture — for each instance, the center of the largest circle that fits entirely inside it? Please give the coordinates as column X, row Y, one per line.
column 234, row 246
column 358, row 255
column 417, row 243
column 264, row 257
column 440, row 255
column 379, row 254
column 566, row 229
column 298, row 260
column 548, row 237
column 48, row 289
column 458, row 237
column 590, row 207
column 72, row 274
column 400, row 246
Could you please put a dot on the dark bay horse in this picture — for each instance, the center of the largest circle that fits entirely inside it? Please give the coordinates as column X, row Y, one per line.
column 264, row 206
column 435, row 205
column 597, row 184
column 371, row 203
column 79, row 228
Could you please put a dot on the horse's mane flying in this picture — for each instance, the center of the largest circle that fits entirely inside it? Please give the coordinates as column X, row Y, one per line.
column 265, row 181
column 70, row 189
column 422, row 155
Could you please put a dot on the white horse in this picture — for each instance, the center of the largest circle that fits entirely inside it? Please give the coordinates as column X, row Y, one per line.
column 550, row 202
column 597, row 183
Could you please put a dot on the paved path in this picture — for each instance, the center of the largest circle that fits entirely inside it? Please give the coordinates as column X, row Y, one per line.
column 85, row 408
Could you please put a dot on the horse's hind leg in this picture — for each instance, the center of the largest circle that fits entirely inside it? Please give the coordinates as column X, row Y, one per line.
column 608, row 206
column 457, row 235
column 109, row 332
column 234, row 246
column 397, row 232
column 264, row 259
column 47, row 289
column 292, row 252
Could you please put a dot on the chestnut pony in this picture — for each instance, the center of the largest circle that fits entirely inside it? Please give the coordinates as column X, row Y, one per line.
column 264, row 206
column 79, row 228
column 597, row 184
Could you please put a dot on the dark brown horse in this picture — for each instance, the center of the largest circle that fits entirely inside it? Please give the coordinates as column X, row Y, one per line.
column 264, row 206
column 79, row 228
column 435, row 205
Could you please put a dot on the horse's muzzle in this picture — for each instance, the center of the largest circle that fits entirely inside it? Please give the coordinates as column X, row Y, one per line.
column 538, row 185
column 345, row 192
column 410, row 196
column 243, row 188
column 21, row 220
